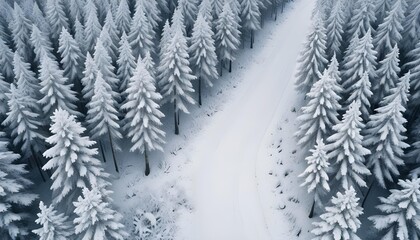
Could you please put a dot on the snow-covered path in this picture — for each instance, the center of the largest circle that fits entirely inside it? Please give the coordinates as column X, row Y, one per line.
column 226, row 197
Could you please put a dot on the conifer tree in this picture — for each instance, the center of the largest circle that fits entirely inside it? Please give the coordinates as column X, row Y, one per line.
column 385, row 134
column 251, row 17
column 41, row 43
column 72, row 160
column 4, row 88
column 143, row 117
column 152, row 12
column 6, row 60
column 54, row 225
column 346, row 151
column 56, row 91
column 111, row 29
column 389, row 32
column 165, row 39
column 401, row 212
column 313, row 58
column 149, row 64
column 316, row 174
column 21, row 30
column 141, row 34
column 15, row 196
column 206, row 10
column 122, row 17
column 89, row 76
column 104, row 64
column 203, row 54
column 175, row 74
column 414, row 67
column 39, row 19
column 95, row 217
column 79, row 36
column 387, row 73
column 108, row 44
column 362, row 20
column 126, row 63
column 381, row 9
column 92, row 26
column 410, row 27
column 76, row 10
column 333, row 70
column 227, row 34
column 71, row 57
column 190, row 10
column 102, row 115
column 24, row 77
column 340, row 220
column 361, row 92
column 335, row 29
column 56, row 17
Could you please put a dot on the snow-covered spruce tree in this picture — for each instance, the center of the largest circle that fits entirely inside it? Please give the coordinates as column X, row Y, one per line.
column 149, row 64
column 385, row 134
column 414, row 67
column 401, row 212
column 141, row 34
column 251, row 17
column 14, row 194
column 95, row 217
column 71, row 58
column 320, row 113
column 411, row 27
column 206, row 10
column 175, row 74
column 203, row 54
column 190, row 9
column 360, row 59
column 346, row 152
column 72, row 160
column 108, row 44
column 112, row 31
column 389, row 32
column 316, row 174
column 56, row 17
column 79, row 36
column 333, row 70
column 24, row 77
column 143, row 114
column 41, row 44
column 4, row 88
column 387, row 73
column 153, row 13
column 102, row 115
column 335, row 30
column 218, row 6
column 55, row 88
column 227, row 35
column 362, row 20
column 126, row 63
column 76, row 10
column 313, row 58
column 361, row 91
column 21, row 30
column 381, row 9
column 6, row 60
column 40, row 20
column 54, row 225
column 89, row 76
column 92, row 26
column 104, row 64
column 123, row 18
column 165, row 39
column 340, row 220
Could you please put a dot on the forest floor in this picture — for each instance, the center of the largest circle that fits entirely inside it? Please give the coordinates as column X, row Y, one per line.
column 232, row 172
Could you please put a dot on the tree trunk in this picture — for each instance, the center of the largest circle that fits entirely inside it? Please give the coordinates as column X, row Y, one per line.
column 146, row 160
column 199, row 91
column 38, row 164
column 252, row 38
column 311, row 213
column 113, row 151
column 282, row 6
column 368, row 191
column 230, row 65
column 221, row 67
column 276, row 7
column 176, row 120
column 102, row 150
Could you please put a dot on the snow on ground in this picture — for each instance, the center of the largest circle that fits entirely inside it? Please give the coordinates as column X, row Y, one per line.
column 232, row 172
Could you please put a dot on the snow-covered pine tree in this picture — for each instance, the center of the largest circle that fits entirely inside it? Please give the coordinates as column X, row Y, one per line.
column 316, row 174
column 40, row 20
column 203, row 54
column 251, row 17
column 21, row 27
column 141, row 34
column 6, row 60
column 382, row 7
column 72, row 160
column 387, row 73
column 95, row 217
column 165, row 39
column 15, row 196
column 54, row 225
column 411, row 27
column 362, row 19
column 41, row 44
column 76, row 10
column 55, row 88
column 361, row 92
column 401, row 212
column 56, row 17
column 217, row 6
column 104, row 64
column 414, row 67
column 206, row 10
column 335, row 30
column 108, row 44
column 340, row 220
column 126, row 63
column 123, row 18
column 149, row 64
column 333, row 70
column 143, row 116
column 175, row 74
column 190, row 9
column 102, row 7
column 227, row 35
column 313, row 58
column 320, row 113
column 92, row 26
column 389, row 32
column 71, row 58
column 102, row 115
column 79, row 36
column 24, row 77
column 4, row 88
column 345, row 150
column 89, row 76
column 152, row 12
column 385, row 134
column 111, row 28
column 360, row 58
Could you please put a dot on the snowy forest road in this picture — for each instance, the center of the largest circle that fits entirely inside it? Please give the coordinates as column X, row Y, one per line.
column 226, row 196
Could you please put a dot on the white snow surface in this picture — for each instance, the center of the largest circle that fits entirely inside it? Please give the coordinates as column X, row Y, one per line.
column 234, row 167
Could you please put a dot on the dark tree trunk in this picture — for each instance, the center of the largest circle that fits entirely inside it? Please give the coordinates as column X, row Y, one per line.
column 113, row 151
column 368, row 191
column 146, row 160
column 199, row 91
column 252, row 39
column 311, row 213
column 101, row 148
column 38, row 164
column 176, row 119
column 230, row 65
